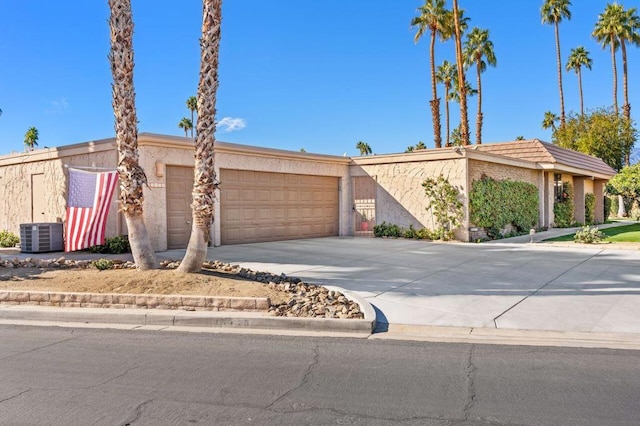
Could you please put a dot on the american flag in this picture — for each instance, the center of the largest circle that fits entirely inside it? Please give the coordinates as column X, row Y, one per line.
column 87, row 207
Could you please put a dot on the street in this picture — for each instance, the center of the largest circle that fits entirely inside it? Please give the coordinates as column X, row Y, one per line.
column 66, row 376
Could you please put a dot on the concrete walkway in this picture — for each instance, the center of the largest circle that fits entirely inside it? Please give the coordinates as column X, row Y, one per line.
column 508, row 284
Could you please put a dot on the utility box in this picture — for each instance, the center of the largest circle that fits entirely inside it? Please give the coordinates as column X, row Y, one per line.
column 41, row 237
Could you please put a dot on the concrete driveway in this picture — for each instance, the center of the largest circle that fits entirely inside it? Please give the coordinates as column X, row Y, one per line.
column 501, row 285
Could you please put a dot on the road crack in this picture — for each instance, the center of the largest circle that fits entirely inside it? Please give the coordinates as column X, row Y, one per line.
column 136, row 413
column 14, row 396
column 305, row 378
column 470, row 379
column 111, row 379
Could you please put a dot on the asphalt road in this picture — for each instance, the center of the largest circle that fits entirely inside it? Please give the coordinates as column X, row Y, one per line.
column 58, row 376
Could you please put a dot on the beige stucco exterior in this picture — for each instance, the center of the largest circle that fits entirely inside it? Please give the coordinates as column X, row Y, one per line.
column 399, row 195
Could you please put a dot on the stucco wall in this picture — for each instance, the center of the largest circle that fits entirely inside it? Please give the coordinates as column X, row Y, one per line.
column 400, row 197
column 16, row 185
column 502, row 172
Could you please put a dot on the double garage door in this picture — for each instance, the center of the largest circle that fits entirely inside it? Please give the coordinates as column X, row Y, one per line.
column 258, row 206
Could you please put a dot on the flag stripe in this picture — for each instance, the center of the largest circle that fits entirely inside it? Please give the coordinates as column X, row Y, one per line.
column 86, row 225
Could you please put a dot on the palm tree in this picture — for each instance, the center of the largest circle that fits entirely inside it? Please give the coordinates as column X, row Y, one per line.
column 478, row 47
column 205, row 182
column 31, row 139
column 616, row 27
column 410, row 148
column 433, row 17
column 606, row 31
column 579, row 58
column 420, row 145
column 192, row 104
column 549, row 121
column 553, row 12
column 446, row 75
column 132, row 177
column 364, row 148
column 520, row 138
column 186, row 125
column 462, row 83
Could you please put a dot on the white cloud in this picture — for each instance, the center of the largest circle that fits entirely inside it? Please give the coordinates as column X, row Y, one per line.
column 57, row 107
column 230, row 124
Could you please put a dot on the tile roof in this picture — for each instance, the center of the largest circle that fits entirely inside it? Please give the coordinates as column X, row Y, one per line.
column 543, row 152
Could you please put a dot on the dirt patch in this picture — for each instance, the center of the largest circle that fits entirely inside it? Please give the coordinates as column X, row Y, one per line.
column 131, row 281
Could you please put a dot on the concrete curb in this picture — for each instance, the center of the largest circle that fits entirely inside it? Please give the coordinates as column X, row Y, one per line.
column 181, row 318
column 514, row 337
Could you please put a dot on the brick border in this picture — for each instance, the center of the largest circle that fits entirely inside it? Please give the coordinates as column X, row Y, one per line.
column 137, row 301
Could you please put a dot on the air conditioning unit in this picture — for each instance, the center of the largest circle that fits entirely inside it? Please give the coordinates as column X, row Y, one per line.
column 41, row 237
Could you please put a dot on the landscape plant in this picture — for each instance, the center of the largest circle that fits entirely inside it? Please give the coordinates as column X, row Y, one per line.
column 445, row 206
column 589, row 208
column 102, row 264
column 494, row 205
column 8, row 239
column 589, row 235
column 563, row 209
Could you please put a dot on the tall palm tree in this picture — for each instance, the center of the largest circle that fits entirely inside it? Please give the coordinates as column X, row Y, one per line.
column 31, row 139
column 446, row 75
column 606, row 31
column 434, row 18
column 132, row 177
column 462, row 83
column 578, row 58
column 549, row 121
column 630, row 33
column 420, row 145
column 553, row 12
column 477, row 48
column 192, row 104
column 186, row 125
column 364, row 148
column 205, row 182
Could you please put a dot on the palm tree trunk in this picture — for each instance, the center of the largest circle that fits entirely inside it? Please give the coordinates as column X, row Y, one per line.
column 192, row 125
column 479, row 116
column 132, row 177
column 562, row 115
column 205, row 183
column 462, row 84
column 626, row 108
column 580, row 89
column 446, row 104
column 435, row 102
column 615, row 78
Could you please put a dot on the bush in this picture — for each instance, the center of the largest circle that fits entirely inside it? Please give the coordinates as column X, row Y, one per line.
column 102, row 264
column 115, row 245
column 387, row 230
column 445, row 206
column 563, row 210
column 494, row 205
column 588, row 235
column 8, row 239
column 608, row 206
column 589, row 208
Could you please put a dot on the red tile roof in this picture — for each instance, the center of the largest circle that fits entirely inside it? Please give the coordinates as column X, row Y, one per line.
column 543, row 152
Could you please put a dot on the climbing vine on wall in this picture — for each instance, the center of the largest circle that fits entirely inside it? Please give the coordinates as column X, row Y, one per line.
column 445, row 205
column 563, row 209
column 493, row 205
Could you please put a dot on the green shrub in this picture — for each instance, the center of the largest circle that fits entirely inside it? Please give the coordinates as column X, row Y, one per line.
column 588, row 235
column 424, row 234
column 608, row 206
column 8, row 239
column 115, row 245
column 410, row 233
column 387, row 230
column 563, row 210
column 589, row 208
column 102, row 264
column 493, row 205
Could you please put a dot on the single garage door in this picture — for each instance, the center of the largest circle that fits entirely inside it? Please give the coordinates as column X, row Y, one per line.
column 263, row 206
column 179, row 187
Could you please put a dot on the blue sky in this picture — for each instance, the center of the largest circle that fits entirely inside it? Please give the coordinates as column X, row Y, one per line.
column 305, row 74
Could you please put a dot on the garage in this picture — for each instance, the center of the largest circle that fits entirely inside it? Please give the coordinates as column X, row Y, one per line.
column 264, row 206
column 179, row 187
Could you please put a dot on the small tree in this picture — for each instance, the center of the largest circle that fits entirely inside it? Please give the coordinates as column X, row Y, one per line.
column 445, row 206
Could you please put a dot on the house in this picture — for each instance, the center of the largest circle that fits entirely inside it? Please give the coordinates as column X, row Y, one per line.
column 270, row 194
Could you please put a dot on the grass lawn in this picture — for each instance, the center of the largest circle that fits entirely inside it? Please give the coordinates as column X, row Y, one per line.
column 620, row 234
